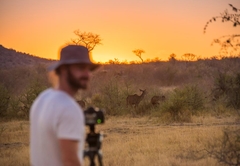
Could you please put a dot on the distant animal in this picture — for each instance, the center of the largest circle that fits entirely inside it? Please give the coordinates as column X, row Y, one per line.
column 82, row 103
column 134, row 100
column 156, row 99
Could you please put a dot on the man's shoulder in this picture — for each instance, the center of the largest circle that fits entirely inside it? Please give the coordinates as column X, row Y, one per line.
column 45, row 92
column 63, row 101
column 55, row 95
column 57, row 98
column 62, row 98
column 51, row 96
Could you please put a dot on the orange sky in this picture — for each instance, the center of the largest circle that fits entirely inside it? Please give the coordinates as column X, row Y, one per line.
column 160, row 27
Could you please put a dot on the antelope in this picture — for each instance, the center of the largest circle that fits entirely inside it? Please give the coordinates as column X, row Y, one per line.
column 134, row 100
column 81, row 103
column 156, row 99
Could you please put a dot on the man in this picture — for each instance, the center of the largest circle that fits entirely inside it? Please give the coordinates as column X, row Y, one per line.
column 57, row 132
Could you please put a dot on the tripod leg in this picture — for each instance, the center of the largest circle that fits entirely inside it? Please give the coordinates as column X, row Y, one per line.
column 91, row 157
column 100, row 159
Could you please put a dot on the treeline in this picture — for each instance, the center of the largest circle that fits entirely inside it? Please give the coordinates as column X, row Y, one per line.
column 190, row 88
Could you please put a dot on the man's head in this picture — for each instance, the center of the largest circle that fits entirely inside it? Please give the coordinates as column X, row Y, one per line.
column 76, row 75
column 74, row 66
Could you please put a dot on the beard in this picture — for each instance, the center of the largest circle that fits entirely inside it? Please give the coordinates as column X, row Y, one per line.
column 75, row 83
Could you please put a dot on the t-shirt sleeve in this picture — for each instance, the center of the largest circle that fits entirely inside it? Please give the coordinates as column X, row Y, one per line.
column 70, row 124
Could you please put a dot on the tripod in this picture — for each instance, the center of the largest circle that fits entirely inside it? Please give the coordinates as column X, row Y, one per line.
column 94, row 141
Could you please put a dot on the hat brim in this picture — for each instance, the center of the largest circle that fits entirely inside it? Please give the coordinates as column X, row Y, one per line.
column 56, row 65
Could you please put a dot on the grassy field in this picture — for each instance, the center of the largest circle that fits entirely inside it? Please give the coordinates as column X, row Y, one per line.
column 132, row 141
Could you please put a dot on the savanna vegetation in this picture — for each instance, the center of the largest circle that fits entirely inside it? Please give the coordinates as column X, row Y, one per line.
column 178, row 112
column 208, row 86
column 203, row 93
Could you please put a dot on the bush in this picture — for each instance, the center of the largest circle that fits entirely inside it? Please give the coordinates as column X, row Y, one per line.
column 227, row 89
column 29, row 96
column 183, row 103
column 4, row 100
column 112, row 97
column 233, row 95
column 226, row 149
column 97, row 100
column 14, row 107
column 175, row 108
column 222, row 84
column 194, row 98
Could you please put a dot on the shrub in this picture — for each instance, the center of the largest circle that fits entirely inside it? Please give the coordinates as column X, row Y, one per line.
column 29, row 96
column 97, row 100
column 111, row 97
column 233, row 95
column 4, row 100
column 226, row 149
column 183, row 103
column 174, row 108
column 222, row 85
column 227, row 89
column 194, row 98
column 14, row 107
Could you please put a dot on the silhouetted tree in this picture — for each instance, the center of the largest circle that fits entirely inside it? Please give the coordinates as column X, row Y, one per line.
column 114, row 61
column 156, row 59
column 172, row 57
column 87, row 39
column 229, row 41
column 188, row 57
column 138, row 53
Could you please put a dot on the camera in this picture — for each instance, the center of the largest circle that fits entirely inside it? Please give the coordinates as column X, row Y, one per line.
column 93, row 116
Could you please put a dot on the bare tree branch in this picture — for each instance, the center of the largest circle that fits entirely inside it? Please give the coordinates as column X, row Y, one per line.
column 229, row 44
column 87, row 39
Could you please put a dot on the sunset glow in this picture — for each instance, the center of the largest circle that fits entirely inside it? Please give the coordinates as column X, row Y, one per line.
column 159, row 27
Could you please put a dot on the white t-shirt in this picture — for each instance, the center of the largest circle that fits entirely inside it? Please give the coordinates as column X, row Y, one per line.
column 54, row 115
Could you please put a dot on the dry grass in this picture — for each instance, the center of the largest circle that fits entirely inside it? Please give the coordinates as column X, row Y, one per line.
column 14, row 143
column 130, row 141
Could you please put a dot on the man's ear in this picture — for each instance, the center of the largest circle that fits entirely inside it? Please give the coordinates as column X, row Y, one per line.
column 53, row 79
column 63, row 69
